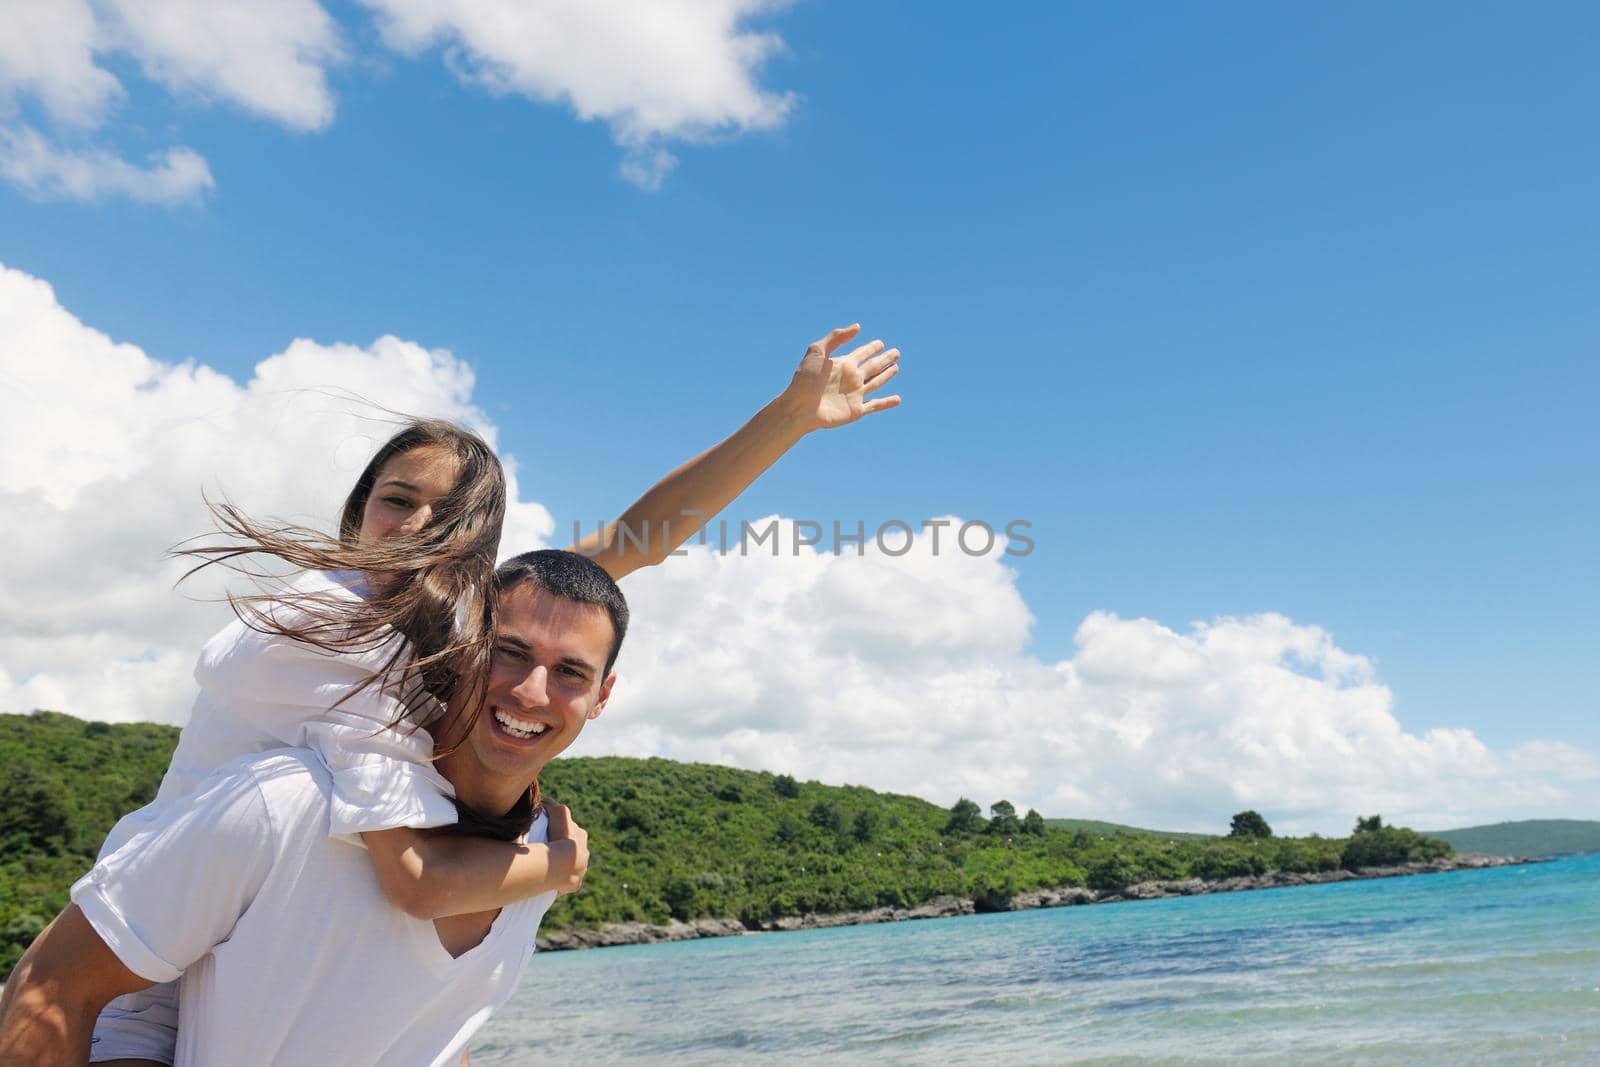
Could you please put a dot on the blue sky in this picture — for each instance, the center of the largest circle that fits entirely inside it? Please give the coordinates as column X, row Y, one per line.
column 1247, row 308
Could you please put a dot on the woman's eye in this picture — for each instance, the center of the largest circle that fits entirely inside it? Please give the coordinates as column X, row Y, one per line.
column 397, row 502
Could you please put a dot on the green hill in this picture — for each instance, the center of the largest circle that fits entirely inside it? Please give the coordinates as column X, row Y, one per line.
column 1530, row 837
column 668, row 840
column 1095, row 826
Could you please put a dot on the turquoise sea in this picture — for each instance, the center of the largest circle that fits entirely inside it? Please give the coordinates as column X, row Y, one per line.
column 1495, row 966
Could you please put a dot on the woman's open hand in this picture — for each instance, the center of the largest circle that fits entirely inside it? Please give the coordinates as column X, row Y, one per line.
column 828, row 391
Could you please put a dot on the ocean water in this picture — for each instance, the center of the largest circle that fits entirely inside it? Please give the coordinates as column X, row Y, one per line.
column 1496, row 966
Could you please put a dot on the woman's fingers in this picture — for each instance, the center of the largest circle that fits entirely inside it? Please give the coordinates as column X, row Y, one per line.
column 876, row 365
column 835, row 338
column 873, row 383
column 881, row 404
column 866, row 351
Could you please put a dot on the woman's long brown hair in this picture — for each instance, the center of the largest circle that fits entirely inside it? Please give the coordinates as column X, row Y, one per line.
column 435, row 587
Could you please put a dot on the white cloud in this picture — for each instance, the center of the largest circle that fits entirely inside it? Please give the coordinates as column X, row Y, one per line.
column 105, row 456
column 45, row 170
column 655, row 73
column 652, row 71
column 910, row 674
column 269, row 57
column 47, row 50
column 647, row 167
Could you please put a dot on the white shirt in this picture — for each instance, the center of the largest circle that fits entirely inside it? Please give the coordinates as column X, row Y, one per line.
column 262, row 691
column 289, row 951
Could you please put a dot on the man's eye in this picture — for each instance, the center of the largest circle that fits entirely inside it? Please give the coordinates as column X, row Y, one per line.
column 573, row 672
column 511, row 653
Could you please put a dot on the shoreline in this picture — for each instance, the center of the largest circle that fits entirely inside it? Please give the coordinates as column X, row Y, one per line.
column 612, row 935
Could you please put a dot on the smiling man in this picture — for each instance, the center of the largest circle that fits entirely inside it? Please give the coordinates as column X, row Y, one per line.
column 288, row 949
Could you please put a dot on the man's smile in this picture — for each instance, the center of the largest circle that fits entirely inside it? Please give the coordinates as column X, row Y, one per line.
column 515, row 726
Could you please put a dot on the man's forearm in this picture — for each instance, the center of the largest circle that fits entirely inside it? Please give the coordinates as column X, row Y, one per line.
column 56, row 991
column 40, row 1028
column 677, row 506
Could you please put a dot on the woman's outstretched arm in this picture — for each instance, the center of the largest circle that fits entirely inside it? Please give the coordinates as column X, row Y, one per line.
column 825, row 392
column 431, row 875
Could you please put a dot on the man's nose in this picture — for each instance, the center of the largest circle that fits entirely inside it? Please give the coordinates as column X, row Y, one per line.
column 530, row 692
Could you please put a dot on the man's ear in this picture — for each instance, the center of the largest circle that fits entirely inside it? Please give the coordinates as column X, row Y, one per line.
column 605, row 695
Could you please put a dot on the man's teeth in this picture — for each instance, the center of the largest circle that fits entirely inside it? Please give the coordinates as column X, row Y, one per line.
column 518, row 727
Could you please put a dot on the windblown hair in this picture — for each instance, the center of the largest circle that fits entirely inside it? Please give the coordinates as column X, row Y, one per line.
column 434, row 587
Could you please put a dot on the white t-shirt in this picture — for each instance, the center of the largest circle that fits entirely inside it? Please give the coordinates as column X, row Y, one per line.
column 263, row 691
column 289, row 951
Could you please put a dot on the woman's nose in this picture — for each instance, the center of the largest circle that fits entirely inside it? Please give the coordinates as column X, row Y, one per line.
column 417, row 519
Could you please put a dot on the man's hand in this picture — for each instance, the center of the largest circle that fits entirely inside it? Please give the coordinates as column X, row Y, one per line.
column 827, row 392
column 570, row 842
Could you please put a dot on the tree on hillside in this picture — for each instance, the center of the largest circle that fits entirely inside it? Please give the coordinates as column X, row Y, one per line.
column 827, row 817
column 965, row 818
column 865, row 827
column 1249, row 824
column 1033, row 823
column 1387, row 846
column 1367, row 824
column 1003, row 821
column 785, row 786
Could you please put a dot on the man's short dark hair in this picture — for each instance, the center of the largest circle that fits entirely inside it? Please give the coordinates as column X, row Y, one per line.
column 571, row 577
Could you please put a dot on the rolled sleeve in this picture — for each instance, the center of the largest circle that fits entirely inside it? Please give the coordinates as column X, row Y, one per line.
column 98, row 905
column 176, row 888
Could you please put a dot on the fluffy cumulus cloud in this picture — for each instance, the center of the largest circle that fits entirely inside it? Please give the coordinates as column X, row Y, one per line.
column 906, row 672
column 102, row 466
column 268, row 57
column 47, row 50
column 913, row 674
column 656, row 73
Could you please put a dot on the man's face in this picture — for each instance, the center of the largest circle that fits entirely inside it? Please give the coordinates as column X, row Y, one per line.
column 546, row 683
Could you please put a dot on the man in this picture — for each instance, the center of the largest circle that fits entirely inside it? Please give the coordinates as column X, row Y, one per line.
column 289, row 951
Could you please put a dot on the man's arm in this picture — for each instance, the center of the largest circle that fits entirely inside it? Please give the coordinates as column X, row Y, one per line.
column 57, row 990
column 824, row 393
column 141, row 915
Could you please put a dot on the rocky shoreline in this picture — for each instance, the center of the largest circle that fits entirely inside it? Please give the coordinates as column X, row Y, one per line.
column 613, row 934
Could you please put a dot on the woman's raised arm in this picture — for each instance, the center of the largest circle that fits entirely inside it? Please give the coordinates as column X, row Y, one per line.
column 826, row 392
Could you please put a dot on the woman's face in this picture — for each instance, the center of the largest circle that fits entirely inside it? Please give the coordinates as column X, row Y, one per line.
column 405, row 492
